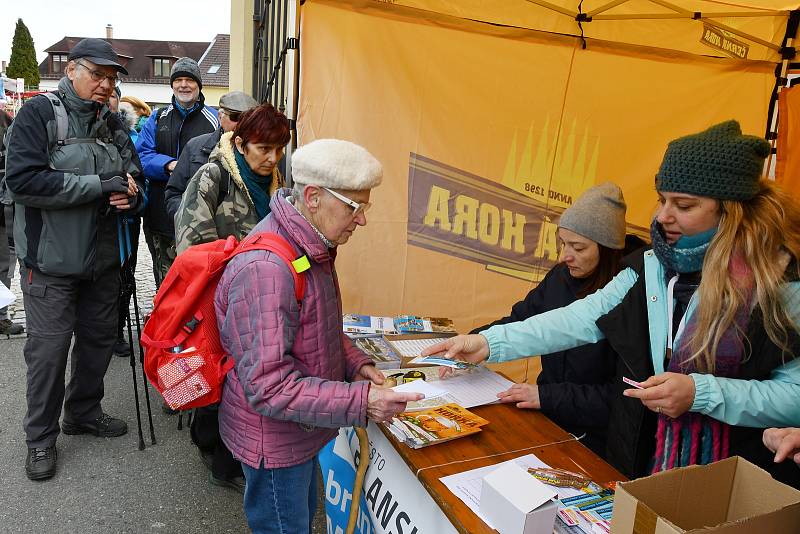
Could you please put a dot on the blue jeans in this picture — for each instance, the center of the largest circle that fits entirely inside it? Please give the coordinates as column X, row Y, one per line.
column 272, row 498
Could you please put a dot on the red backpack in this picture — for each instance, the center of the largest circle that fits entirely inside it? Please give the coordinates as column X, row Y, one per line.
column 183, row 356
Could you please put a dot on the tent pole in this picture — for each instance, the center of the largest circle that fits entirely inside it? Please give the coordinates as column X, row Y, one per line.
column 671, row 6
column 606, row 7
column 553, row 7
column 788, row 53
column 292, row 70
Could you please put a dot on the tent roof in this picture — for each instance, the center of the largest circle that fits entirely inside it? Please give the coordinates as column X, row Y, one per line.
column 671, row 24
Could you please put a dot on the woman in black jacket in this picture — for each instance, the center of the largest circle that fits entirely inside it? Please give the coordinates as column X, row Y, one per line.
column 574, row 386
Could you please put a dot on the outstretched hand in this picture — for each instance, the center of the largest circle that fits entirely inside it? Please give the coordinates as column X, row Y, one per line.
column 472, row 348
column 669, row 393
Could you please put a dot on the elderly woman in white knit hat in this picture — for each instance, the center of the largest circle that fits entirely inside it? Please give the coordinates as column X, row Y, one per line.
column 574, row 386
column 297, row 378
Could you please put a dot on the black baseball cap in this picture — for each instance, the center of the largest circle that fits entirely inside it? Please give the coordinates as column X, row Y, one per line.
column 98, row 52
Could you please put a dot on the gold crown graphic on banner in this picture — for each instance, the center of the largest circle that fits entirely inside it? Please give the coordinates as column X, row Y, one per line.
column 559, row 170
column 510, row 226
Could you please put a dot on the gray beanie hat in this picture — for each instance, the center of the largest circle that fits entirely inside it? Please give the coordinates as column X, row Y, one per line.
column 187, row 67
column 598, row 214
column 336, row 164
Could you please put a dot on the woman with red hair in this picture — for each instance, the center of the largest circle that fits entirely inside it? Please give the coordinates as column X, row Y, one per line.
column 230, row 194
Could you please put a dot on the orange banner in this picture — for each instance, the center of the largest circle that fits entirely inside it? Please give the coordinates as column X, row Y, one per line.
column 486, row 134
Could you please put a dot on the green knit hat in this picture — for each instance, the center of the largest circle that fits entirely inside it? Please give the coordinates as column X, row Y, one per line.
column 718, row 163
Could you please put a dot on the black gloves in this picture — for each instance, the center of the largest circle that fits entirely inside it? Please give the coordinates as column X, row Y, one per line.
column 112, row 182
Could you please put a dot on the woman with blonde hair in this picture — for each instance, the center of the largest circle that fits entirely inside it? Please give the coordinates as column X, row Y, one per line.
column 706, row 321
column 141, row 108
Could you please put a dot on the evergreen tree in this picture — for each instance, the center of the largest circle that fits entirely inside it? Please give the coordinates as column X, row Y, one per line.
column 23, row 56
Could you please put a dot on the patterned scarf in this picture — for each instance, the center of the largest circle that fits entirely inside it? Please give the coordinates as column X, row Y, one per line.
column 694, row 438
column 685, row 256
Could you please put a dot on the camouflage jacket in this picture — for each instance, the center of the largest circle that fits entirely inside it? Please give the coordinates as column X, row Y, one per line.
column 201, row 218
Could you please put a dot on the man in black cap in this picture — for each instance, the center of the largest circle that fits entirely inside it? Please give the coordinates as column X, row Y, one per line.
column 160, row 143
column 197, row 150
column 65, row 231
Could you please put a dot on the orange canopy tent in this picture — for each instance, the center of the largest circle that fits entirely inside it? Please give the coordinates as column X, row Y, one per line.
column 490, row 117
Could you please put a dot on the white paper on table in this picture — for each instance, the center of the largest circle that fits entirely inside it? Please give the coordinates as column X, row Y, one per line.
column 412, row 348
column 421, row 386
column 467, row 485
column 468, row 388
column 6, row 296
column 475, row 388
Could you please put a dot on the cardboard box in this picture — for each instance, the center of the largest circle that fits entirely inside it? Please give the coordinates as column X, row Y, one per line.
column 730, row 496
column 517, row 503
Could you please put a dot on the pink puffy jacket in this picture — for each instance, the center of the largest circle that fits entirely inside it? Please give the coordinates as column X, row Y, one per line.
column 288, row 393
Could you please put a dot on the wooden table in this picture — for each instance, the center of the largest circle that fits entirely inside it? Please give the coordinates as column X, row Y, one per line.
column 511, row 433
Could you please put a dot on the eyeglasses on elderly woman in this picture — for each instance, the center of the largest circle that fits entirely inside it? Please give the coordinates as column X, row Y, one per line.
column 358, row 207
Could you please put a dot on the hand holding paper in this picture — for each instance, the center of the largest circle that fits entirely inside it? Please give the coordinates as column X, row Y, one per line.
column 383, row 404
column 428, row 390
column 669, row 393
column 471, row 348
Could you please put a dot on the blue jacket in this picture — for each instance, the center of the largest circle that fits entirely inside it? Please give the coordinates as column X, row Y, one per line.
column 160, row 142
column 769, row 399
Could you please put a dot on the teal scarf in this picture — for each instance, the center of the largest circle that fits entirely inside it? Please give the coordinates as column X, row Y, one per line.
column 257, row 186
column 686, row 255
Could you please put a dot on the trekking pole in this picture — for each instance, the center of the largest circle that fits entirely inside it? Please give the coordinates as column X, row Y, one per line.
column 132, row 359
column 128, row 246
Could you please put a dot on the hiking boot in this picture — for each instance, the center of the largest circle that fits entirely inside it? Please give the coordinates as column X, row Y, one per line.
column 10, row 328
column 41, row 462
column 104, row 426
column 122, row 348
column 235, row 483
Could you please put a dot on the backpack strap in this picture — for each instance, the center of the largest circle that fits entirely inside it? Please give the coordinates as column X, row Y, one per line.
column 280, row 246
column 62, row 124
column 224, row 181
column 62, row 118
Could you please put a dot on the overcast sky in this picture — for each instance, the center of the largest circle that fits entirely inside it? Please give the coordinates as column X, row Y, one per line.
column 163, row 20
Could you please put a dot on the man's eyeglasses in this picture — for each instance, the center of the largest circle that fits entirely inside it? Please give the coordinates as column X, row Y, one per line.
column 358, row 207
column 232, row 115
column 98, row 76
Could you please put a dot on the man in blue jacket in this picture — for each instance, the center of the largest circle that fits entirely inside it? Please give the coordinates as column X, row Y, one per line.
column 160, row 144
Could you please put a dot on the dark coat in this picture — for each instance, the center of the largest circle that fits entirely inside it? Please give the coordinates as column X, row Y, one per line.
column 194, row 155
column 575, row 384
column 632, row 427
column 63, row 224
column 160, row 142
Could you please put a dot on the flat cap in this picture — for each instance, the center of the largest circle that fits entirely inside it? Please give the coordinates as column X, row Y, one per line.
column 237, row 101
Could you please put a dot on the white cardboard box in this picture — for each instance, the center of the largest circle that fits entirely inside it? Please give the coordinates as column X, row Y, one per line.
column 517, row 503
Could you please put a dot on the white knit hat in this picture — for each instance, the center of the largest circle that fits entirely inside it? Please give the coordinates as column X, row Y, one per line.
column 336, row 164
